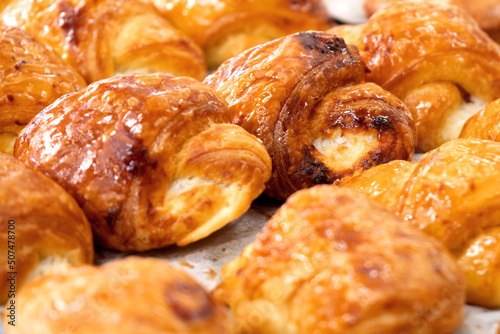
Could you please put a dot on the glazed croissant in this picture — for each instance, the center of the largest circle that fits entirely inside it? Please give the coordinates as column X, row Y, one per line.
column 485, row 124
column 485, row 12
column 31, row 77
column 333, row 261
column 150, row 159
column 102, row 38
column 436, row 59
column 133, row 295
column 304, row 96
column 452, row 194
column 225, row 28
column 41, row 227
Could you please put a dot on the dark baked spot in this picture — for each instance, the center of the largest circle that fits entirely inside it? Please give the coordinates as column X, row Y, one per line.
column 312, row 41
column 70, row 18
column 189, row 301
column 382, row 123
column 111, row 216
column 19, row 64
column 10, row 97
column 315, row 170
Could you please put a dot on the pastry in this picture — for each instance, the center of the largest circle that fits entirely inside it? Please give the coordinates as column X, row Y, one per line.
column 41, row 227
column 436, row 59
column 102, row 38
column 31, row 77
column 485, row 124
column 333, row 261
column 151, row 159
column 133, row 295
column 303, row 95
column 225, row 28
column 453, row 195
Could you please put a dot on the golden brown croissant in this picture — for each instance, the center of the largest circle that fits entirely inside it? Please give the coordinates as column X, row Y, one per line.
column 304, row 96
column 134, row 295
column 452, row 194
column 148, row 158
column 333, row 261
column 485, row 124
column 436, row 59
column 31, row 77
column 101, row 38
column 485, row 12
column 41, row 227
column 225, row 28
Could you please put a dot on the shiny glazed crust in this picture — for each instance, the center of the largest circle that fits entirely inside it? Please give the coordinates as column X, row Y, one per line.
column 453, row 195
column 134, row 295
column 148, row 158
column 436, row 59
column 31, row 77
column 485, row 124
column 225, row 28
column 333, row 261
column 303, row 96
column 47, row 228
column 102, row 38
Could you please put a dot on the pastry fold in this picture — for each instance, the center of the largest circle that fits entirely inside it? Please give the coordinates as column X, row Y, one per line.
column 436, row 59
column 151, row 159
column 303, row 95
column 452, row 194
column 332, row 261
column 103, row 38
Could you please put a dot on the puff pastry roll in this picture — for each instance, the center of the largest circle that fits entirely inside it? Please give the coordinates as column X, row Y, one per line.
column 452, row 194
column 304, row 96
column 42, row 228
column 128, row 296
column 485, row 124
column 151, row 159
column 332, row 260
column 225, row 28
column 31, row 77
column 102, row 38
column 436, row 59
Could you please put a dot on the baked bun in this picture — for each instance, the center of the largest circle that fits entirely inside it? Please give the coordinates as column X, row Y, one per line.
column 103, row 38
column 452, row 194
column 149, row 158
column 31, row 77
column 225, row 28
column 303, row 95
column 333, row 261
column 485, row 124
column 42, row 227
column 133, row 295
column 436, row 59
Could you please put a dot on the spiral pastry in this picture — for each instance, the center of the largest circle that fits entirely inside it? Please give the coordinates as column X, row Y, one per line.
column 303, row 95
column 31, row 77
column 102, row 38
column 150, row 159
column 436, row 59
column 333, row 261
column 453, row 195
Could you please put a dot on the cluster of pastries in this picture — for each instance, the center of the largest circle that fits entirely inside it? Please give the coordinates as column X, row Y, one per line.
column 120, row 138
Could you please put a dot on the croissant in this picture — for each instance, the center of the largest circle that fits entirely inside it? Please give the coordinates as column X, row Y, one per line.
column 453, row 195
column 436, row 59
column 225, row 28
column 133, row 295
column 31, row 77
column 149, row 158
column 333, row 261
column 303, row 95
column 485, row 124
column 41, row 227
column 485, row 12
column 102, row 38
